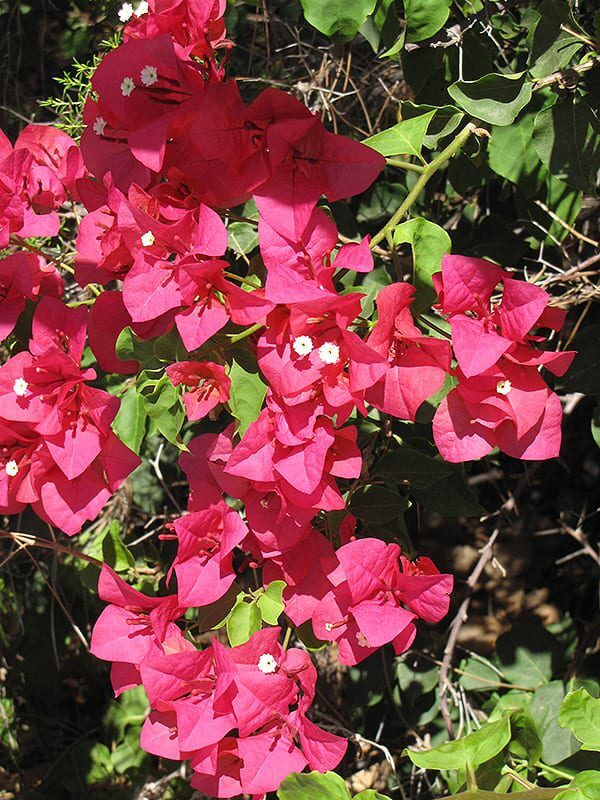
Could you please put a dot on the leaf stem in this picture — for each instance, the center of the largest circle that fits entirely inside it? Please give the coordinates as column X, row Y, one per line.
column 428, row 171
column 248, row 332
column 397, row 162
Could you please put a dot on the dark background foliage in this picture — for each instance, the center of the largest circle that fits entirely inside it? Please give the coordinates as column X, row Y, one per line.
column 62, row 736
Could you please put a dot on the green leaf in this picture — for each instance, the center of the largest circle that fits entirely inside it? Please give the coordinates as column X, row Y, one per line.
column 479, row 676
column 243, row 621
column 450, row 497
column 424, row 18
column 584, row 375
column 338, row 18
column 407, row 464
column 243, row 237
column 403, row 139
column 129, row 346
column 313, row 786
column 163, row 405
column 130, row 422
column 595, row 425
column 511, row 155
column 377, row 504
column 493, row 98
column 581, row 713
column 527, row 654
column 446, row 119
column 246, row 397
column 114, row 551
column 370, row 794
column 553, row 47
column 583, row 787
column 271, row 604
column 472, row 750
column 566, row 137
column 429, row 243
column 525, row 743
column 557, row 743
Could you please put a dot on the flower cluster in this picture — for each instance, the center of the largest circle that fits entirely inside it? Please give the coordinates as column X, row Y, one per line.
column 500, row 399
column 169, row 148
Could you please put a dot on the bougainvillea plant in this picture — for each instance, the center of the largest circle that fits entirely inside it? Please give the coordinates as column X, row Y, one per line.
column 283, row 355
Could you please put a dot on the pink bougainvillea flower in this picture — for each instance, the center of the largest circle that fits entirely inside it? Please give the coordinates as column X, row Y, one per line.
column 509, row 406
column 141, row 88
column 417, row 364
column 206, row 541
column 24, row 276
column 56, row 150
column 197, row 25
column 77, row 462
column 305, row 161
column 484, row 330
column 301, row 271
column 206, row 385
column 366, row 610
column 133, row 623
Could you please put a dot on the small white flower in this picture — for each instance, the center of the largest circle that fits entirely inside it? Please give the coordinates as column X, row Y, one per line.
column 303, row 345
column 503, row 387
column 329, row 353
column 149, row 75
column 99, row 126
column 127, row 86
column 329, row 627
column 12, row 468
column 141, row 9
column 267, row 664
column 20, row 387
column 148, row 239
column 125, row 12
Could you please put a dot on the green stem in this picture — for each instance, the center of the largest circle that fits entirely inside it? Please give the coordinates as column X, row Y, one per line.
column 233, row 277
column 248, row 332
column 536, row 793
column 428, row 171
column 558, row 772
column 397, row 162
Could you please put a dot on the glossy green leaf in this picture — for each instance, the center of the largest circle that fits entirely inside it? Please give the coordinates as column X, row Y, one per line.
column 313, row 786
column 131, row 419
column 246, row 397
column 446, row 119
column 403, row 139
column 338, row 18
column 377, row 504
column 408, row 464
column 472, row 750
column 566, row 137
column 494, row 98
column 450, row 497
column 243, row 621
column 580, row 712
column 557, row 743
column 424, row 18
column 129, row 346
column 585, row 786
column 271, row 604
column 553, row 47
column 527, row 654
column 429, row 244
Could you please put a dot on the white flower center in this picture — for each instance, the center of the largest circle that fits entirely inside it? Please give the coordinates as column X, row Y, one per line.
column 303, row 345
column 329, row 353
column 503, row 387
column 267, row 664
column 20, row 387
column 329, row 627
column 99, row 126
column 142, row 8
column 149, row 75
column 127, row 86
column 148, row 239
column 11, row 468
column 125, row 12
